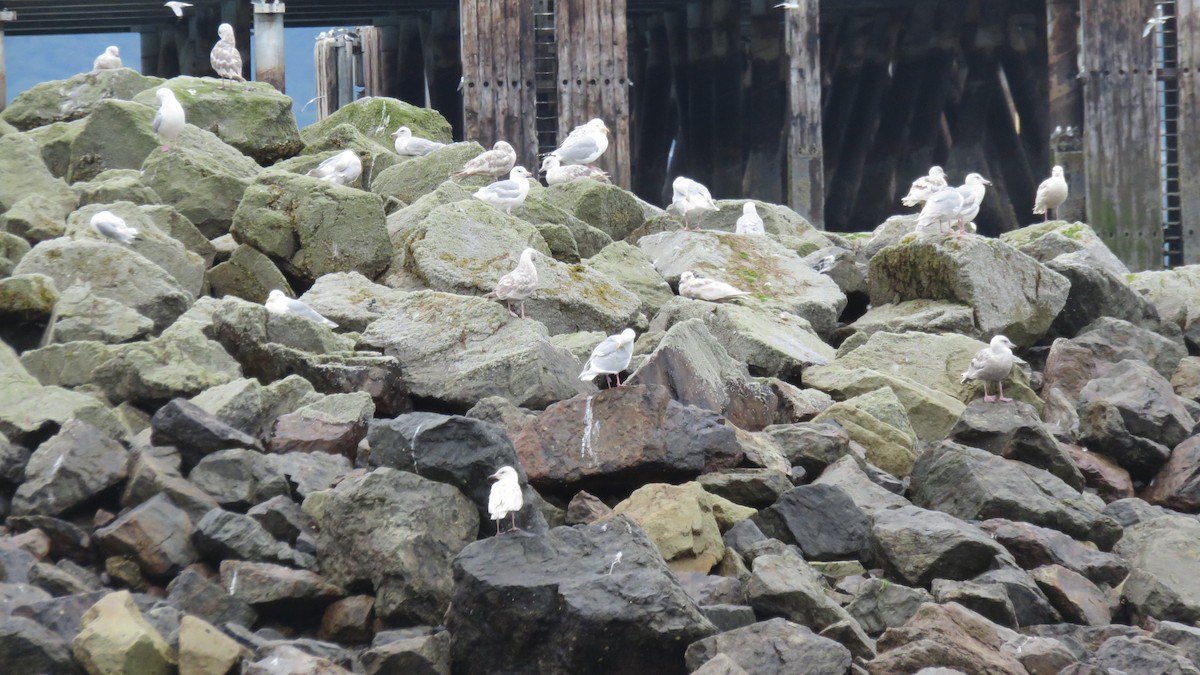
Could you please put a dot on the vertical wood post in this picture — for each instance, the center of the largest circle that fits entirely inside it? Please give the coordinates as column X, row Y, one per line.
column 498, row 75
column 6, row 16
column 1066, row 102
column 375, row 69
column 805, row 176
column 765, row 104
column 1187, row 26
column 268, row 43
column 151, row 41
column 442, row 54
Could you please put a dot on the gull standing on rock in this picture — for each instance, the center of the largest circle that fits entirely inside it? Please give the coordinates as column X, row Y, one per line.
column 109, row 60
column 1051, row 193
column 972, row 190
column 584, row 145
column 750, row 222
column 407, row 144
column 495, row 162
column 341, row 169
column 557, row 174
column 505, row 194
column 690, row 196
column 924, row 187
column 610, row 357
column 113, row 226
column 505, row 498
column 225, row 58
column 278, row 303
column 940, row 212
column 169, row 120
column 691, row 286
column 992, row 364
column 518, row 284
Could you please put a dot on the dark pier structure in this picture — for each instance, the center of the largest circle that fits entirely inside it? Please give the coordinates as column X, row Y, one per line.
column 830, row 106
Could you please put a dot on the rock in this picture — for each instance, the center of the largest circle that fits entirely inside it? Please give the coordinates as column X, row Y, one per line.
column 680, row 521
column 811, row 445
column 920, row 546
column 366, row 113
column 534, row 583
column 629, row 267
column 238, row 478
column 248, row 274
column 195, row 432
column 1113, row 340
column 252, row 408
column 351, row 299
column 971, row 483
column 418, row 655
column 349, row 620
column 1096, row 292
column 920, row 315
column 777, row 277
column 412, row 178
column 1175, row 485
column 585, row 509
column 1012, row 294
column 945, row 635
column 877, row 421
column 869, row 496
column 116, row 135
column 39, row 216
column 66, row 540
column 76, row 465
column 156, row 534
column 74, row 97
column 27, row 647
column 987, row 600
column 150, row 476
column 879, row 604
column 1034, row 546
column 1186, row 378
column 772, row 647
column 1184, row 638
column 27, row 298
column 821, row 519
column 116, row 638
column 1170, row 292
column 1015, row 432
column 273, row 588
column 335, row 425
column 192, row 593
column 204, row 650
column 286, row 659
column 1076, row 598
column 1047, row 241
column 1131, row 511
column 398, row 532
column 491, row 353
column 1101, row 473
column 1142, row 655
column 604, row 206
column 115, row 185
column 223, row 535
column 12, row 249
column 283, row 518
column 628, row 433
column 55, row 141
column 66, row 578
column 29, row 412
column 756, row 488
column 82, row 315
column 313, row 227
column 784, row 585
column 1164, row 569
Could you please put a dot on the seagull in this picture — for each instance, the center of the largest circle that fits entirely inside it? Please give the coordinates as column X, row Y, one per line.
column 505, row 194
column 341, row 169
column 1051, row 193
column 517, row 284
column 690, row 196
column 788, row 5
column 278, row 303
column 925, row 186
column 941, row 210
column 972, row 190
column 1155, row 21
column 584, row 144
column 495, row 162
column 505, row 499
column 611, row 356
column 170, row 119
column 177, row 7
column 225, row 58
column 556, row 174
column 407, row 144
column 691, row 286
column 113, row 226
column 109, row 60
column 992, row 364
column 750, row 222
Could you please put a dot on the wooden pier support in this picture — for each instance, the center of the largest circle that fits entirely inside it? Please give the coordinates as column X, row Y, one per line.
column 1187, row 26
column 805, row 174
column 5, row 17
column 498, row 75
column 268, row 43
column 151, row 42
column 1066, row 102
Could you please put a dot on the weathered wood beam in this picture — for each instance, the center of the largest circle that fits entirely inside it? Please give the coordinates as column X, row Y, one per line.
column 727, row 139
column 655, row 113
column 766, row 101
column 1187, row 26
column 268, row 43
column 6, row 17
column 442, row 56
column 700, row 121
column 806, row 181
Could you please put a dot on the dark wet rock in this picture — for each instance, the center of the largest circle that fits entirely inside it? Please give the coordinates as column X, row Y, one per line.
column 195, row 431
column 756, row 488
column 27, row 647
column 585, row 508
column 1176, row 485
column 1034, row 546
column 773, row 647
column 812, row 445
column 70, row 469
column 879, row 604
column 418, row 655
column 194, row 594
column 349, row 620
column 223, row 535
column 156, row 533
column 821, row 519
column 150, row 476
column 921, row 545
column 283, row 518
column 1015, row 432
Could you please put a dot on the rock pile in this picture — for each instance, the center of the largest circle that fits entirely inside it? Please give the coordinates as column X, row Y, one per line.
column 797, row 482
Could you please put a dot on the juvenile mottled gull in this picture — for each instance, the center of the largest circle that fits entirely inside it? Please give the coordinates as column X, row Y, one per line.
column 992, row 364
column 972, row 190
column 1051, row 193
column 609, row 357
column 517, row 284
column 505, row 498
column 750, row 222
column 113, row 226
column 407, row 144
column 169, row 120
column 109, row 60
column 341, row 169
column 278, row 303
column 924, row 187
column 691, row 286
column 940, row 212
column 495, row 162
column 177, row 7
column 690, row 196
column 224, row 57
column 505, row 194
column 584, row 145
column 557, row 174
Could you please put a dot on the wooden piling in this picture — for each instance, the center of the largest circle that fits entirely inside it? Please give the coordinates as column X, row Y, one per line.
column 805, row 177
column 268, row 43
column 5, row 18
column 442, row 54
column 1066, row 100
column 1187, row 26
column 374, row 66
column 498, row 75
column 766, row 100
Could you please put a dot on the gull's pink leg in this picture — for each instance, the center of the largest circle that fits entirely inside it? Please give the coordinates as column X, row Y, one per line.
column 497, row 527
column 514, row 523
column 1003, row 398
column 987, row 397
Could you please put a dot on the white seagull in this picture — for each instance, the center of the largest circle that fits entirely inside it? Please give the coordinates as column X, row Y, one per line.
column 341, row 169
column 1051, row 193
column 584, row 144
column 993, row 363
column 109, row 60
column 972, row 190
column 941, row 210
column 691, row 286
column 224, row 57
column 407, row 144
column 170, row 119
column 517, row 284
column 609, row 357
column 690, row 196
column 505, row 194
column 556, row 173
column 924, row 187
column 113, row 226
column 505, row 498
column 1155, row 21
column 278, row 303
column 495, row 162
column 750, row 222
column 177, row 7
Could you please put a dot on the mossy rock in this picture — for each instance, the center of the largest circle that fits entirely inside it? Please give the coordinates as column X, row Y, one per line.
column 1046, row 241
column 74, row 97
column 28, row 410
column 929, row 316
column 586, row 240
column 12, row 249
column 605, row 207
column 116, row 135
column 777, row 219
column 411, row 178
column 378, row 118
column 55, row 141
column 181, row 362
column 175, row 225
column 25, row 173
column 39, row 217
column 375, row 158
column 879, row 422
column 249, row 275
column 628, row 266
column 115, row 185
column 27, row 297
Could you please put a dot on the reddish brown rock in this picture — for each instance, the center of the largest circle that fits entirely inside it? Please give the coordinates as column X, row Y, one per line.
column 1076, row 598
column 1101, row 473
column 586, row 508
column 34, row 542
column 156, row 534
column 334, row 425
column 947, row 636
column 1177, row 485
column 349, row 620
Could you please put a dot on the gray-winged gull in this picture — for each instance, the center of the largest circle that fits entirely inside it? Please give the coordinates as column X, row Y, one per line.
column 610, row 357
column 414, row 146
column 691, row 286
column 993, row 363
column 1051, row 193
column 278, row 303
column 689, row 196
column 170, row 119
column 750, row 222
column 224, row 57
column 109, row 60
column 518, row 284
column 341, row 169
column 113, row 226
column 505, row 498
column 584, row 145
column 973, row 189
column 557, row 174
column 940, row 212
column 924, row 187
column 495, row 162
column 505, row 194
column 177, row 7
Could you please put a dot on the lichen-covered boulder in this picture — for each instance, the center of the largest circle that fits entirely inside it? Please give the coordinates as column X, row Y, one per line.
column 877, row 421
column 680, row 521
column 413, row 177
column 12, row 249
column 74, row 97
column 55, row 141
column 181, row 362
column 117, row 135
column 39, row 217
column 25, row 174
column 628, row 266
column 777, row 219
column 378, row 117
column 115, row 185
column 1173, row 292
column 249, row 275
column 1046, row 241
column 253, row 117
column 568, row 237
column 604, row 206
column 313, row 227
column 928, row 316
